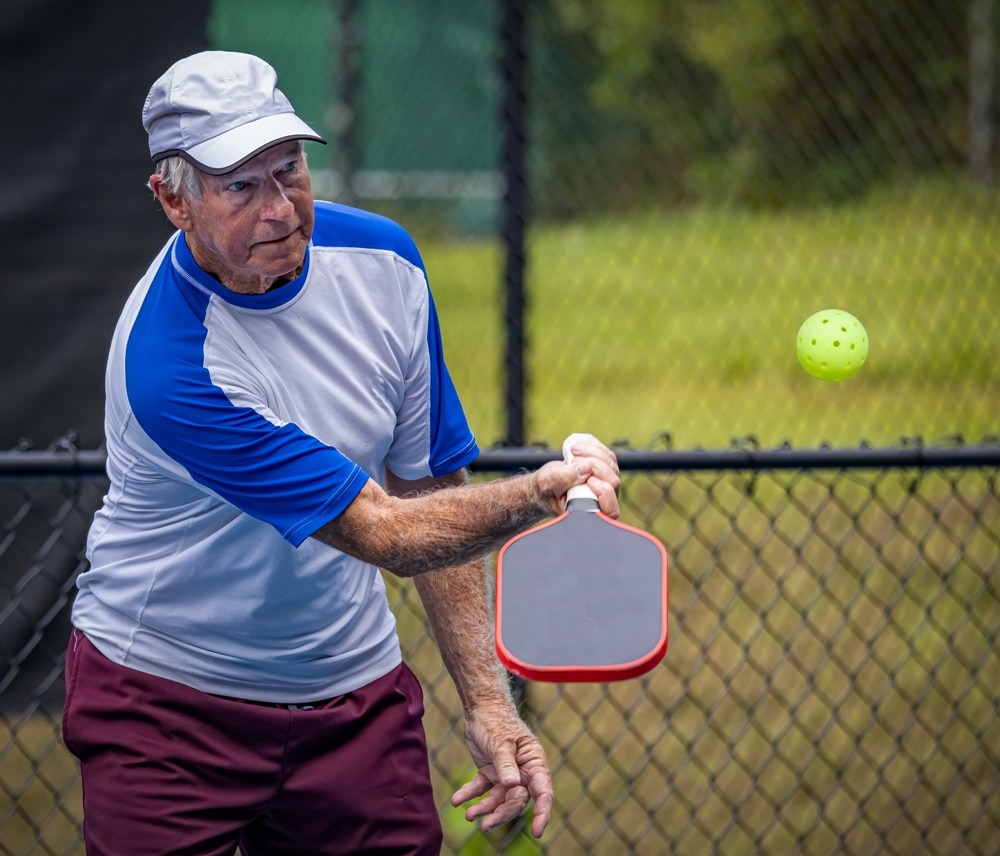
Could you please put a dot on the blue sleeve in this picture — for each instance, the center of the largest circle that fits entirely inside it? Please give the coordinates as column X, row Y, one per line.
column 453, row 445
column 275, row 473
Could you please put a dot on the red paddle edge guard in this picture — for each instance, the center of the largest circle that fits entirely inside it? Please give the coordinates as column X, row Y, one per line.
column 583, row 673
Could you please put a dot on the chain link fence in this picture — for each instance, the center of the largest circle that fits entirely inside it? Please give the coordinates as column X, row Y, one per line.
column 831, row 685
column 707, row 175
column 630, row 239
column 626, row 210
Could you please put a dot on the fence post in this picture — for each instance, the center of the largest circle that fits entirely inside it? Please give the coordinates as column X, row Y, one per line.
column 347, row 87
column 981, row 90
column 513, row 121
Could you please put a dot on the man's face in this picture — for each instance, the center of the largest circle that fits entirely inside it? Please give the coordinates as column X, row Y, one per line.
column 251, row 226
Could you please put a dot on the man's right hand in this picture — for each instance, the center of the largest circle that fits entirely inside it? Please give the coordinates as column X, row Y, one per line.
column 594, row 464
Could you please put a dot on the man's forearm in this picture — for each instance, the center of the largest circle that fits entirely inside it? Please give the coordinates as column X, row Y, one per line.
column 436, row 529
column 459, row 606
column 458, row 603
column 433, row 528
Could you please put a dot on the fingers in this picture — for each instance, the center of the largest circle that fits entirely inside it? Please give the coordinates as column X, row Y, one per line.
column 604, row 464
column 508, row 773
column 503, row 804
column 591, row 463
column 588, row 446
column 543, row 813
column 512, row 773
column 478, row 785
column 607, row 496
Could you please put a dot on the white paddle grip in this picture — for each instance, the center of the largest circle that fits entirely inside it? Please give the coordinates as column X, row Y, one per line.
column 580, row 491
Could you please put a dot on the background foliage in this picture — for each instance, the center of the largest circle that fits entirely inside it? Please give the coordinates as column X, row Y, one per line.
column 703, row 176
column 763, row 103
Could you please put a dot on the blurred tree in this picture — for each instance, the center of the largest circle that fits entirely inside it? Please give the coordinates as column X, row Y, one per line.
column 874, row 92
column 767, row 102
column 620, row 104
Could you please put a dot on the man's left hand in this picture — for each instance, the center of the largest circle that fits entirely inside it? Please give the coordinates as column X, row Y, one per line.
column 512, row 766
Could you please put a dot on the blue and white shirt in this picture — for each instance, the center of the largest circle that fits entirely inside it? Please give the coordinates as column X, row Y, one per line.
column 236, row 426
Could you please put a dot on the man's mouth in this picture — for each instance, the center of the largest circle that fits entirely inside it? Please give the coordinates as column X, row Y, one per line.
column 277, row 240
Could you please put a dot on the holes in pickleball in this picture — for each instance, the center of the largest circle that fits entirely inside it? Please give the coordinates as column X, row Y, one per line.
column 836, row 343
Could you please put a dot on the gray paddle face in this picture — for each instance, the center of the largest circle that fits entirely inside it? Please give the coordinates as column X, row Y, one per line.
column 582, row 598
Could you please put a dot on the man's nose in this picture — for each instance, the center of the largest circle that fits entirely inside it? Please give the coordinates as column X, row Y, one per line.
column 276, row 205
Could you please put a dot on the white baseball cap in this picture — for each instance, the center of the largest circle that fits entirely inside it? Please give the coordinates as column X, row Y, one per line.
column 218, row 109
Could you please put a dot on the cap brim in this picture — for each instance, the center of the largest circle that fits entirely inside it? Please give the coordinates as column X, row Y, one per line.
column 233, row 148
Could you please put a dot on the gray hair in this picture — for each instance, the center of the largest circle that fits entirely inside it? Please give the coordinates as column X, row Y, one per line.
column 179, row 176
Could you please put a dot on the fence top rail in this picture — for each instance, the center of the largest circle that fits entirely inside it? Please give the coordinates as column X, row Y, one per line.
column 90, row 463
column 785, row 458
column 53, row 463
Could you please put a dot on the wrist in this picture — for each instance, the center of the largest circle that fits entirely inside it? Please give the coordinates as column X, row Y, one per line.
column 491, row 704
column 543, row 501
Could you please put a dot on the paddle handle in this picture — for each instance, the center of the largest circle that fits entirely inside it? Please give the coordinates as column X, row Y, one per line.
column 579, row 497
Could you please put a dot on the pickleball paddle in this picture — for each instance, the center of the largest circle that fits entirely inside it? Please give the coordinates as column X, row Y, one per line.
column 582, row 597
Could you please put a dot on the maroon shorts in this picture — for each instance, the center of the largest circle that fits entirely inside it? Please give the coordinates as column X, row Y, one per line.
column 169, row 769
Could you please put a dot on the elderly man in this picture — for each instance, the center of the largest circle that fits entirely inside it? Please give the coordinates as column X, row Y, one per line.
column 280, row 424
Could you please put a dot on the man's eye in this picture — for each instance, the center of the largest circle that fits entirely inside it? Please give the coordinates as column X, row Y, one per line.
column 237, row 186
column 288, row 167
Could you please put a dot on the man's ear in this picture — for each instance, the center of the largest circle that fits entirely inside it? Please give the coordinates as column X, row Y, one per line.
column 174, row 204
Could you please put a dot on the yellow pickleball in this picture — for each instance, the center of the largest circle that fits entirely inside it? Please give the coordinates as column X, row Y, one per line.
column 832, row 344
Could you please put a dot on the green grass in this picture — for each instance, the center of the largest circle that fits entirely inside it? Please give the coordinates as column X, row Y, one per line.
column 685, row 323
